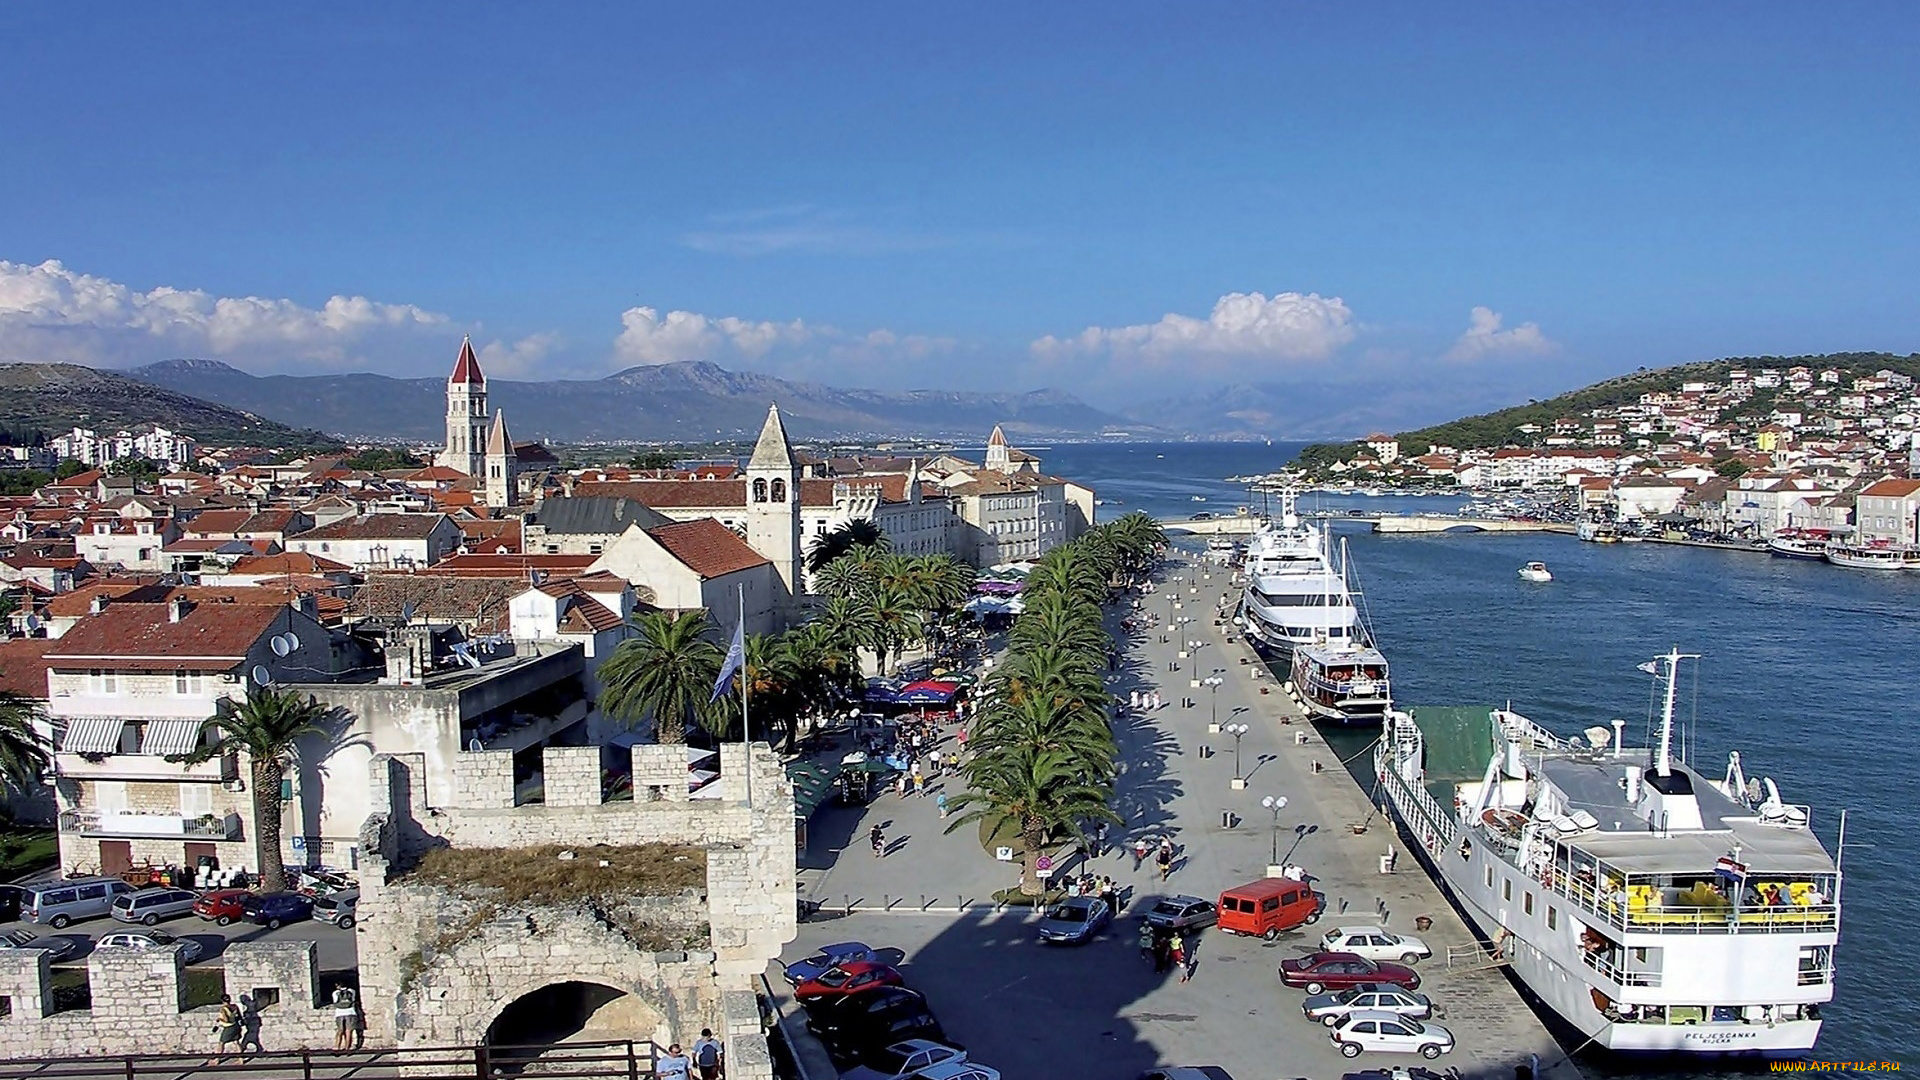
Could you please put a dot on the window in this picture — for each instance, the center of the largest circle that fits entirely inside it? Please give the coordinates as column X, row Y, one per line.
column 759, row 490
column 1506, row 889
column 779, row 491
column 1553, row 917
column 1526, row 903
column 1489, row 876
column 188, row 683
column 103, row 682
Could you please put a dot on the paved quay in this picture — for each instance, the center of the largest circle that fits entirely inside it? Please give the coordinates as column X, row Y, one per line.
column 1099, row 1011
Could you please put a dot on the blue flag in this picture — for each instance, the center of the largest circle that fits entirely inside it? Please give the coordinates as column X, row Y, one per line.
column 736, row 656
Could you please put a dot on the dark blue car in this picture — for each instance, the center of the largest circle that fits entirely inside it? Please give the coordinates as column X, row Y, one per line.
column 831, row 956
column 272, row 909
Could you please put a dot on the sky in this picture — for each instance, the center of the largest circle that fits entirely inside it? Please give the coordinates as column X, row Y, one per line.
column 1125, row 201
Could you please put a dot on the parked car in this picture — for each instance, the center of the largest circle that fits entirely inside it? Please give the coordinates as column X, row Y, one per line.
column 1182, row 913
column 1321, row 971
column 956, row 1070
column 273, row 910
column 846, row 952
column 1187, row 1072
column 905, row 1058
column 338, row 908
column 844, row 979
column 1269, row 907
column 222, row 905
column 1329, row 1008
column 1375, row 944
column 61, row 903
column 149, row 906
column 12, row 901
column 1397, row 1072
column 150, row 939
column 860, row 1026
column 1389, row 1033
column 1074, row 921
column 56, row 948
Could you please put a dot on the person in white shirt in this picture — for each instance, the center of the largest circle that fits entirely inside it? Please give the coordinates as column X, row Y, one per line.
column 673, row 1065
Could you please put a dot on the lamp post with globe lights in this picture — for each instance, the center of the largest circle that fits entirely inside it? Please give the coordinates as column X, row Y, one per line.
column 1212, row 683
column 1238, row 731
column 1274, row 804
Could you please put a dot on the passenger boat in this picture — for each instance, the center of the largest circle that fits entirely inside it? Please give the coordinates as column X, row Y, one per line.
column 1345, row 682
column 1536, row 572
column 1867, row 556
column 1643, row 904
column 1799, row 543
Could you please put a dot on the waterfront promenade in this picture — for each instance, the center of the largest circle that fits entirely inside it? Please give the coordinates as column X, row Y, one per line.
column 1098, row 1011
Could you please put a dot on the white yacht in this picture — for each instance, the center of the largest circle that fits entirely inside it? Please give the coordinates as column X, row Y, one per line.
column 1647, row 906
column 1867, row 556
column 1294, row 596
column 1536, row 572
column 1799, row 543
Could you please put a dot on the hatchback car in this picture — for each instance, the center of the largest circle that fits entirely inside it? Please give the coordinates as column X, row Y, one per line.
column 956, row 1070
column 863, row 1025
column 1074, row 921
column 149, row 906
column 1386, row 1032
column 847, row 979
column 274, row 910
column 1322, row 971
column 190, row 950
column 222, row 905
column 904, row 1059
column 1329, row 1008
column 1182, row 913
column 56, row 948
column 846, row 952
column 1375, row 944
column 338, row 908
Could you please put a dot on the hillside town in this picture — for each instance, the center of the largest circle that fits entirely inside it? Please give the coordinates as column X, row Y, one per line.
column 1744, row 457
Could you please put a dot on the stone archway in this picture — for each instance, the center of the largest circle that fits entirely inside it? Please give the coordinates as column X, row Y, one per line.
column 574, row 1011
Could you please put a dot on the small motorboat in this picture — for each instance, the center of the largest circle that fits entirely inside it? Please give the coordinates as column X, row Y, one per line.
column 1536, row 571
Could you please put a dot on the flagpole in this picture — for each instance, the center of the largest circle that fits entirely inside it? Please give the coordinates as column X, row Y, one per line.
column 746, row 724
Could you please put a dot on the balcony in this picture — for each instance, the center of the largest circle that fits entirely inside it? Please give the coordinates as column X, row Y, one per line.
column 125, row 824
column 145, row 767
column 1601, row 963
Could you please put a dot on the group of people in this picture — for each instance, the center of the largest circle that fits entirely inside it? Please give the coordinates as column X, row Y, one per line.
column 1143, row 700
column 1162, row 855
column 707, row 1056
column 1167, row 950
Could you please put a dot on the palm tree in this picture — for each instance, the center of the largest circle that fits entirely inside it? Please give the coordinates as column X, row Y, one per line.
column 23, row 756
column 667, row 669
column 1041, row 791
column 267, row 725
column 1050, row 620
column 897, row 623
column 823, row 671
column 850, row 623
column 843, row 538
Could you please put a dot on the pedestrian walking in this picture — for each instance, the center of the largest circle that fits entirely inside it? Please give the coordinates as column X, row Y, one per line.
column 673, row 1065
column 708, row 1055
column 879, row 841
column 1177, row 953
column 1133, row 700
column 1100, row 840
column 940, row 801
column 1166, row 863
column 1191, row 960
column 1110, row 893
column 346, row 1017
column 933, row 762
column 1146, row 941
column 227, row 1029
column 1139, row 853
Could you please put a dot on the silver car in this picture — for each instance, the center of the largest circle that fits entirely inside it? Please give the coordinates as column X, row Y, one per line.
column 1378, row 997
column 149, row 940
column 149, row 906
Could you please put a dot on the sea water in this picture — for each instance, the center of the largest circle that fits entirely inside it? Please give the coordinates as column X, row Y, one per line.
column 1807, row 669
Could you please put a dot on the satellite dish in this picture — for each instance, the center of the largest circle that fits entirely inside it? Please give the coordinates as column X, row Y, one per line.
column 32, row 623
column 475, row 746
column 261, row 676
column 279, row 645
column 407, row 609
column 293, row 641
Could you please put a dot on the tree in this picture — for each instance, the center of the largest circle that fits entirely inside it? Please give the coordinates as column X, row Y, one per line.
column 380, row 459
column 267, row 726
column 1732, row 468
column 23, row 756
column 23, row 481
column 69, row 468
column 652, row 459
column 896, row 622
column 843, row 538
column 1041, row 791
column 667, row 670
column 141, row 469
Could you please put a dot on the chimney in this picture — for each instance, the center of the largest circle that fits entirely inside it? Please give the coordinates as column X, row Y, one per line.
column 177, row 608
column 98, row 604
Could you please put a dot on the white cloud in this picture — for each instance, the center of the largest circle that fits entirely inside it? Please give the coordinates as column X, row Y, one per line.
column 1485, row 338
column 794, row 348
column 520, row 359
column 1288, row 326
column 48, row 312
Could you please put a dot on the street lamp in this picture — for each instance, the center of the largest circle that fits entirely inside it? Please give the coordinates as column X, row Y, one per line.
column 1238, row 731
column 1275, row 803
column 1212, row 683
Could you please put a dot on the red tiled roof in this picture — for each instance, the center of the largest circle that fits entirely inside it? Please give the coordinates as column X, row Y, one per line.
column 288, row 563
column 706, row 547
column 508, row 566
column 579, row 612
column 378, row 527
column 490, row 535
column 1892, row 489
column 209, row 637
column 23, row 667
column 467, row 368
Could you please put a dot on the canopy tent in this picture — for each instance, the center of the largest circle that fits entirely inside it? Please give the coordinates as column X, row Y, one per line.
column 994, row 587
column 927, row 692
column 994, row 605
column 880, row 692
column 812, row 785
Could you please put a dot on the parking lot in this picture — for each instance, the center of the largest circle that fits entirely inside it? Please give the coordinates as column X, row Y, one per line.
column 336, row 948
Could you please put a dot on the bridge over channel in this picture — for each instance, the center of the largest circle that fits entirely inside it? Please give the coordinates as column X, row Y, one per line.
column 1437, row 523
column 1230, row 525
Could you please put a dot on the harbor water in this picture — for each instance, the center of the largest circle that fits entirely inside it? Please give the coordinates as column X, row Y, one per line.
column 1806, row 669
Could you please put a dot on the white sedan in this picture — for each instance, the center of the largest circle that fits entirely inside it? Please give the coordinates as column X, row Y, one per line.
column 1389, row 1033
column 905, row 1058
column 1375, row 944
column 147, row 940
column 956, row 1070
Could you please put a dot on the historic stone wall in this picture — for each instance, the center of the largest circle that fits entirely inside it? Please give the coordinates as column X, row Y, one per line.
column 139, row 998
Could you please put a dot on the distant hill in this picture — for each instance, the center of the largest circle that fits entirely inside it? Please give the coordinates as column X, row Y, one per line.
column 58, row 397
column 1495, row 428
column 686, row 402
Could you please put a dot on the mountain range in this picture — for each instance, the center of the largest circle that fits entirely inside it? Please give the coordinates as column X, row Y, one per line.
column 55, row 398
column 690, row 401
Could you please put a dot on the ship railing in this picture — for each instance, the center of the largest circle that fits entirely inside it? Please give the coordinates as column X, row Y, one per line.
column 1599, row 962
column 1423, row 816
column 1635, row 906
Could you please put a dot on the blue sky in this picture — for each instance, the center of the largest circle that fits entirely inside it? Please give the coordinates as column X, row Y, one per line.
column 898, row 195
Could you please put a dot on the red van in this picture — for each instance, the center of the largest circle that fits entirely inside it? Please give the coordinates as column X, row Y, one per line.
column 1268, row 907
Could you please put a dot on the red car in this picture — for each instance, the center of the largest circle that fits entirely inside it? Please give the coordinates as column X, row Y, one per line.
column 1322, row 971
column 847, row 979
column 221, row 905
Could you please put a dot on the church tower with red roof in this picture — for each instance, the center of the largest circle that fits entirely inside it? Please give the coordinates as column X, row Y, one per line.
column 467, row 419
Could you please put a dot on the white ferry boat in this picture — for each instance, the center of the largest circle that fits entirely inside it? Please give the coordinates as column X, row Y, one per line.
column 1648, row 907
column 1799, row 544
column 1293, row 594
column 1346, row 683
column 1866, row 556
